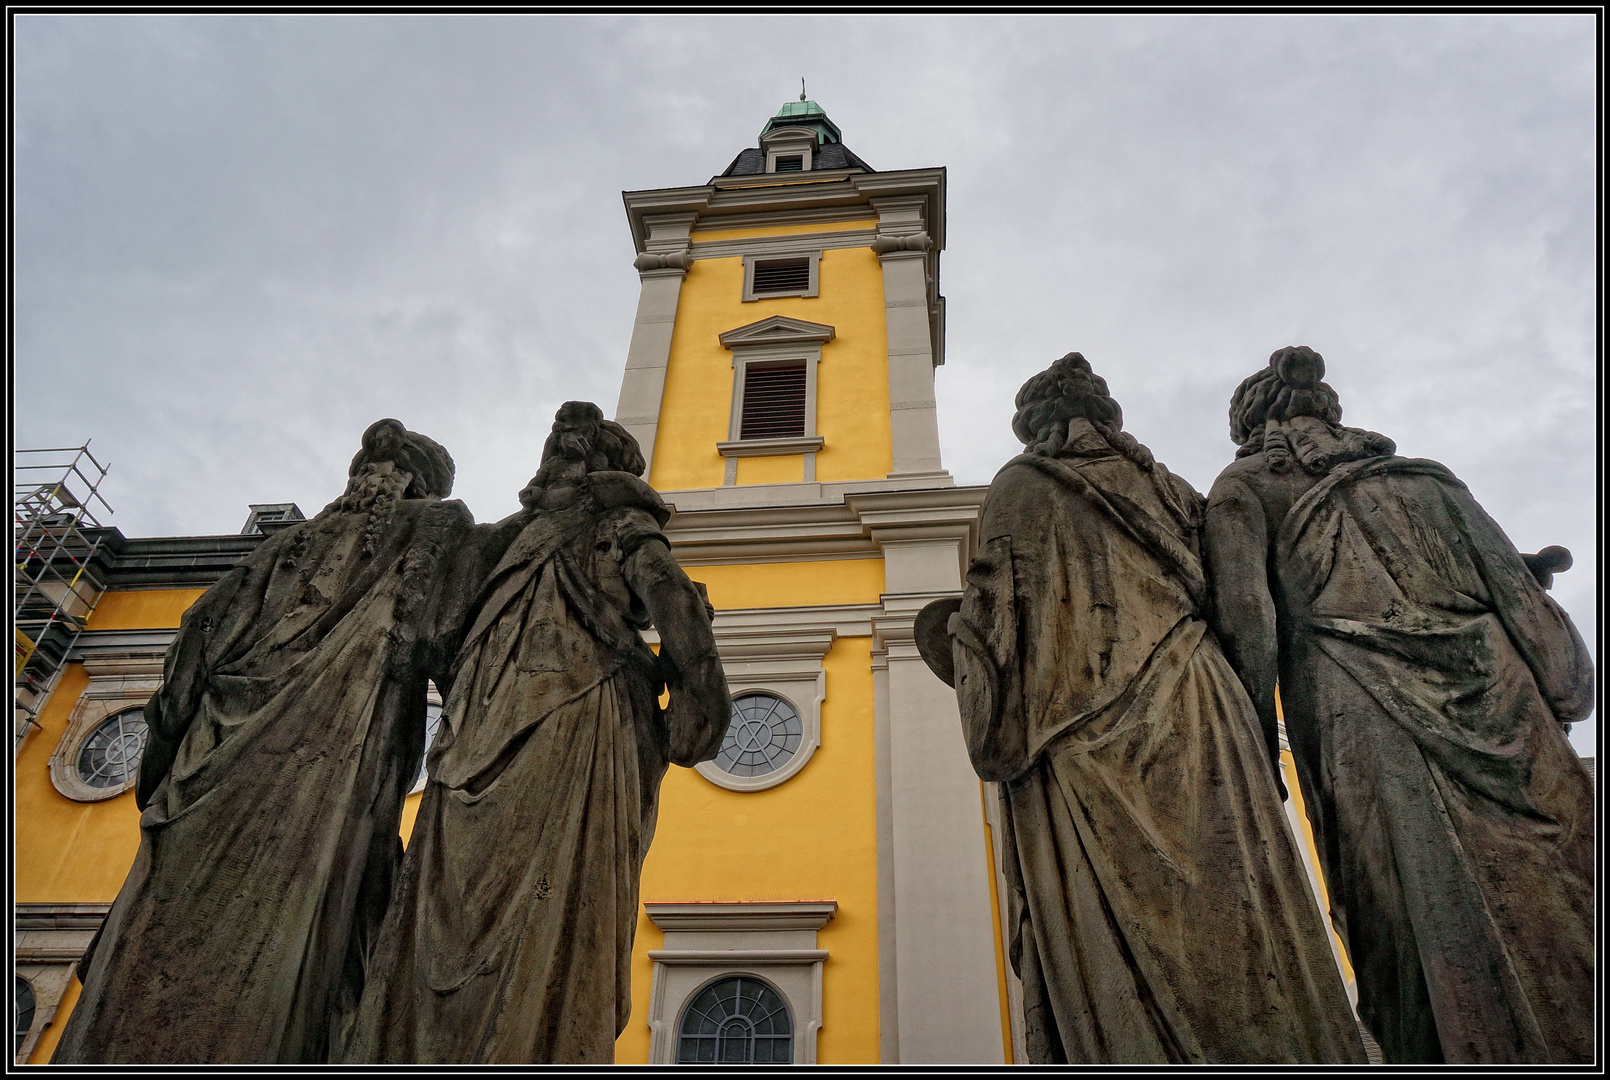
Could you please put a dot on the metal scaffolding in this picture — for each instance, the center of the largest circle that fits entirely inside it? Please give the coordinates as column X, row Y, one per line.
column 57, row 509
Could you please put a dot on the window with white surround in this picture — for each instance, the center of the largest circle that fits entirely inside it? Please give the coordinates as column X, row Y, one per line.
column 736, row 1020
column 789, row 149
column 774, row 364
column 737, row 983
column 98, row 756
column 772, row 277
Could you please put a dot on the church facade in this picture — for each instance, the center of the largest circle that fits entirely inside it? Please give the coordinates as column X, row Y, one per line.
column 828, row 889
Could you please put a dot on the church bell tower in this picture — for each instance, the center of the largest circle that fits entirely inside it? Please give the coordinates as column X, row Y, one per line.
column 780, row 381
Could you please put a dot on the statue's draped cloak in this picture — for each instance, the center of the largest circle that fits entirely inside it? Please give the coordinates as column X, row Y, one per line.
column 1424, row 675
column 510, row 934
column 290, row 727
column 1159, row 912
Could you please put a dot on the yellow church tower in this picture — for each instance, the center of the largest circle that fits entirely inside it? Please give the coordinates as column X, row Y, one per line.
column 780, row 379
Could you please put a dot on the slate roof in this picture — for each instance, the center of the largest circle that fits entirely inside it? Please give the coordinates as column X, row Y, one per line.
column 752, row 162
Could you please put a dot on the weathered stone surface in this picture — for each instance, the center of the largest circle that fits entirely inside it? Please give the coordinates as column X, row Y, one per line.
column 510, row 934
column 1424, row 676
column 288, row 730
column 1159, row 912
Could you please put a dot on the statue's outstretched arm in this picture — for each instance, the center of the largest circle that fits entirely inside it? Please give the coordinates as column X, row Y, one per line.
column 700, row 708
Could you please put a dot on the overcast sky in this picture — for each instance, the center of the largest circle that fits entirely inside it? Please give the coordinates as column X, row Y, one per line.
column 239, row 240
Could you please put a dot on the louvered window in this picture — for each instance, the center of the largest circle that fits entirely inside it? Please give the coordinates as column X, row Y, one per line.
column 774, row 401
column 782, row 275
column 790, row 163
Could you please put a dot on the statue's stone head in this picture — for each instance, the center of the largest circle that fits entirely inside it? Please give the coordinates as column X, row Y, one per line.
column 1065, row 400
column 582, row 441
column 1288, row 388
column 1287, row 414
column 426, row 459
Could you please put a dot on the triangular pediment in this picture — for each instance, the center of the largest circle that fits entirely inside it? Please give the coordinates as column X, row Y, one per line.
column 778, row 330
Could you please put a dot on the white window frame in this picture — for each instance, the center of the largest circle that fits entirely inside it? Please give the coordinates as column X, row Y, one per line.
column 116, row 683
column 788, row 142
column 774, row 340
column 788, row 663
column 773, row 942
column 812, row 288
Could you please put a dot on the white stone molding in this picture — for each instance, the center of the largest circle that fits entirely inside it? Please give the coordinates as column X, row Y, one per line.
column 909, row 257
column 934, row 864
column 788, row 142
column 761, row 655
column 858, row 524
column 774, row 247
column 662, row 262
column 1014, row 985
column 813, row 285
column 432, row 697
column 116, row 683
column 774, row 942
column 777, row 339
column 49, row 940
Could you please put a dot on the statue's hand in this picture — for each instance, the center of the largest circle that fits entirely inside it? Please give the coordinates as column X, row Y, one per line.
column 1548, row 562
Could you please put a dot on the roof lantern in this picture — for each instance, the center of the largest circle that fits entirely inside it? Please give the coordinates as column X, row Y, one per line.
column 804, row 114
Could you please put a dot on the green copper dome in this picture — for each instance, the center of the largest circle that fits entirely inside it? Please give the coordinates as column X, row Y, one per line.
column 805, row 114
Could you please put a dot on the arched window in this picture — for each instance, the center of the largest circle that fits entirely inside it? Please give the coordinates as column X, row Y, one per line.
column 24, row 1012
column 736, row 1021
column 110, row 756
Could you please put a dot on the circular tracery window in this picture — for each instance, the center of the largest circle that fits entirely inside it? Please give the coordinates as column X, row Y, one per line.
column 110, row 756
column 764, row 734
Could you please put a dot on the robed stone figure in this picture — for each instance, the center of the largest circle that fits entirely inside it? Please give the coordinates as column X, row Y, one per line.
column 510, row 934
column 289, row 727
column 1158, row 909
column 1424, row 676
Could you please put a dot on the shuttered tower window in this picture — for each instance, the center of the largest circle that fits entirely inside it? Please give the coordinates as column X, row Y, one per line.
column 782, row 275
column 774, row 401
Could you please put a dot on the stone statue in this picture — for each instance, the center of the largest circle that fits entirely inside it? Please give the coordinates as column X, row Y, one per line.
column 1424, row 677
column 289, row 727
column 510, row 933
column 1159, row 912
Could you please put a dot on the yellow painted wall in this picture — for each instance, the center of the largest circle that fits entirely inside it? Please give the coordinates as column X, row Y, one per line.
column 142, row 609
column 792, row 584
column 67, row 851
column 813, row 837
column 852, row 388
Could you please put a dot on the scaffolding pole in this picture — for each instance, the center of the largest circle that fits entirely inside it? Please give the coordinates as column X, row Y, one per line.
column 57, row 512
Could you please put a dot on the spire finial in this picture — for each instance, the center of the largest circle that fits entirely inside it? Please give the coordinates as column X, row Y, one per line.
column 802, row 88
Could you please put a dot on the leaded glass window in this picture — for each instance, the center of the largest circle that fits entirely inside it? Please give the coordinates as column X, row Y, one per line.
column 24, row 1013
column 110, row 757
column 765, row 732
column 736, row 1021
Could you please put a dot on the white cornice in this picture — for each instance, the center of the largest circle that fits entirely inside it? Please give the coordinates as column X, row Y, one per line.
column 742, row 915
column 778, row 330
column 734, row 197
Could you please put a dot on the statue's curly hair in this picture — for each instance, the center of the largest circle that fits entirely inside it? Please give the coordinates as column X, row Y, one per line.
column 1288, row 388
column 1065, row 391
column 428, row 460
column 581, row 436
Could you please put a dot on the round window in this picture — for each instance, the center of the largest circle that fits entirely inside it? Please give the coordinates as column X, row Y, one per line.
column 736, row 1021
column 24, row 1013
column 764, row 734
column 110, row 757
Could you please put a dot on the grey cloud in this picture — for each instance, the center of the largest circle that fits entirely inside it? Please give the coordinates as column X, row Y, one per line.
column 241, row 239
